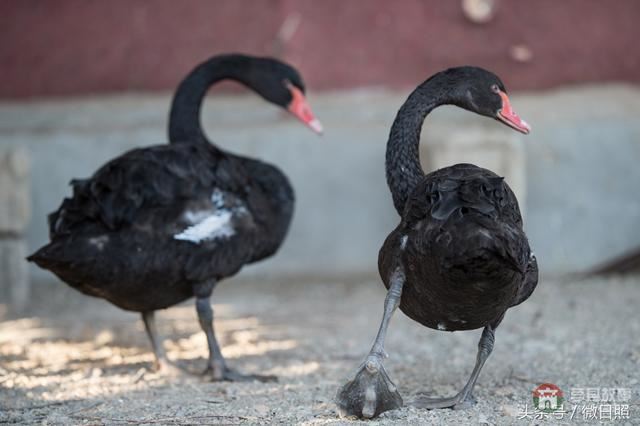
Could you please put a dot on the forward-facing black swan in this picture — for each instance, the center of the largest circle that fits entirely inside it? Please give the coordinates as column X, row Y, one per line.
column 459, row 257
column 158, row 225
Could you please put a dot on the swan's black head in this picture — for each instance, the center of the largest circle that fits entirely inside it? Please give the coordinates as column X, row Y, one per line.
column 281, row 84
column 482, row 92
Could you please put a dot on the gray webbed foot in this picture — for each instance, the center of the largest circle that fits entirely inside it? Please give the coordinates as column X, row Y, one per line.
column 227, row 374
column 370, row 393
column 167, row 368
column 464, row 399
column 217, row 369
column 458, row 402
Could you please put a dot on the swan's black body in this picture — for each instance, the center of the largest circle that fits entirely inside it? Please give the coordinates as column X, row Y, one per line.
column 115, row 238
column 459, row 257
column 161, row 224
column 461, row 245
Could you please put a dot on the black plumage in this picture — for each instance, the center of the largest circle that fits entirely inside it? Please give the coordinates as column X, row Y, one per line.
column 158, row 225
column 465, row 255
column 459, row 257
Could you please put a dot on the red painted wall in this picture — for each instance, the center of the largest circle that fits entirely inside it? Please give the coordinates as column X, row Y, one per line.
column 75, row 47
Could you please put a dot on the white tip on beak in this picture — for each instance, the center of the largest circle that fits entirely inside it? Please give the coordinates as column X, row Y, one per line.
column 315, row 125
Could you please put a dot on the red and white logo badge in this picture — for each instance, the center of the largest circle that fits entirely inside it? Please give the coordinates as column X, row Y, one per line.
column 548, row 397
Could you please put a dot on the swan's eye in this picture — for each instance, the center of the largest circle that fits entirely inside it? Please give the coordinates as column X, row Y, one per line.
column 495, row 88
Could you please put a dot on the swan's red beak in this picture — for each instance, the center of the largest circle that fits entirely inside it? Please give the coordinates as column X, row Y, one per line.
column 301, row 109
column 508, row 116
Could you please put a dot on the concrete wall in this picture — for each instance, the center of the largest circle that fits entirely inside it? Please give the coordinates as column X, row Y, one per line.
column 581, row 165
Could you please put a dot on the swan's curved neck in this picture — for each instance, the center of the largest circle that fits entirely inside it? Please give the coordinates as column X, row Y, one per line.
column 184, row 118
column 403, row 167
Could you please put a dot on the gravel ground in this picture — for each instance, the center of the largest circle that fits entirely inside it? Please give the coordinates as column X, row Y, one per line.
column 76, row 360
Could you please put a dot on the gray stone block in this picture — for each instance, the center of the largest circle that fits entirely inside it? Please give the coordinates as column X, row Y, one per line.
column 14, row 273
column 14, row 190
column 14, row 218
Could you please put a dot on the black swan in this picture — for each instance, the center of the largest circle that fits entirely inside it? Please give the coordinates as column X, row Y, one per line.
column 459, row 257
column 158, row 225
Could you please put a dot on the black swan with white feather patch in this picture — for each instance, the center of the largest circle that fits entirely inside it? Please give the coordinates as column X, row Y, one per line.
column 459, row 257
column 159, row 225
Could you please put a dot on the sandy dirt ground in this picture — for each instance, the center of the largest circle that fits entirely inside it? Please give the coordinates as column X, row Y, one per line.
column 75, row 360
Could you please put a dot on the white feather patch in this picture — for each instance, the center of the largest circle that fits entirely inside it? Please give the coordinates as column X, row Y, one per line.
column 403, row 242
column 217, row 198
column 99, row 242
column 216, row 225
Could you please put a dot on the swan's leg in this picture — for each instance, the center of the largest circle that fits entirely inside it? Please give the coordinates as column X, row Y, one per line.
column 464, row 398
column 216, row 365
column 372, row 392
column 162, row 362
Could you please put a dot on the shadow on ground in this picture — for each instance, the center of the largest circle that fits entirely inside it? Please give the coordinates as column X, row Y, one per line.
column 72, row 359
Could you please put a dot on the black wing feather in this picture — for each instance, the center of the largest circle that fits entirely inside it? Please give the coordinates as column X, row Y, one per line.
column 142, row 180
